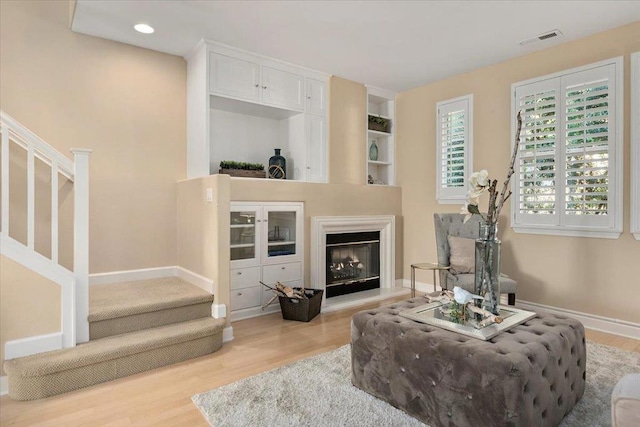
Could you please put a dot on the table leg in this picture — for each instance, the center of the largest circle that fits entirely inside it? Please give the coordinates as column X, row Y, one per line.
column 413, row 282
column 434, row 280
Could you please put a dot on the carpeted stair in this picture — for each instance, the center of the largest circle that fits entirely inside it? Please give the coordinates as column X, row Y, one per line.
column 134, row 327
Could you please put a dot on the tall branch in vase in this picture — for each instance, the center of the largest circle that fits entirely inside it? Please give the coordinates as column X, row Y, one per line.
column 487, row 270
column 480, row 183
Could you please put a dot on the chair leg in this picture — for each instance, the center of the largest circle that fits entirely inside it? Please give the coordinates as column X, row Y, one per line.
column 512, row 299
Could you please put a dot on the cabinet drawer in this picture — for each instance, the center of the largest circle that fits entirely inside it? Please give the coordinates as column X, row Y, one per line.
column 245, row 298
column 244, row 277
column 268, row 294
column 282, row 272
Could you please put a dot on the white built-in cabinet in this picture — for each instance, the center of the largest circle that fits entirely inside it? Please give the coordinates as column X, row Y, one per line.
column 381, row 168
column 266, row 244
column 242, row 106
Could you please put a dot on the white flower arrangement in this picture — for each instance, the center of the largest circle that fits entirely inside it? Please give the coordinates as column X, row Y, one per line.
column 480, row 183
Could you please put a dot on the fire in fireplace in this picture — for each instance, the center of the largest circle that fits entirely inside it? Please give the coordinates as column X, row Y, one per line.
column 353, row 262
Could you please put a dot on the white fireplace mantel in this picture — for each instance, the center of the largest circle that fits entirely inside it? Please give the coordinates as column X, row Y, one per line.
column 323, row 225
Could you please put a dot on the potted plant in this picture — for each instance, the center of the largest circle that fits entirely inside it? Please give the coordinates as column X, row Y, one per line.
column 242, row 169
column 379, row 124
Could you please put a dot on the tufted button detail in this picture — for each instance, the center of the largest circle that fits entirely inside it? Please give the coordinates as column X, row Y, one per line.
column 469, row 355
column 417, row 356
column 469, row 396
column 449, row 413
column 402, row 370
column 433, row 383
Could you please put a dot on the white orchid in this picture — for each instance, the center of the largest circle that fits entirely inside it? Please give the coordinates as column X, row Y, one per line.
column 479, row 180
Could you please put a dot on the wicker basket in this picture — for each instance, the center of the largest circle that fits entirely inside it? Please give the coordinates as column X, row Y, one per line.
column 302, row 310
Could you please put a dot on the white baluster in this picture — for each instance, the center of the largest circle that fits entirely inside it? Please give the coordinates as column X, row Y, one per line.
column 31, row 197
column 81, row 241
column 54, row 211
column 5, row 180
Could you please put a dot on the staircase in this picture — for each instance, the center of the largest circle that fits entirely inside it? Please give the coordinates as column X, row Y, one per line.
column 122, row 329
column 134, row 327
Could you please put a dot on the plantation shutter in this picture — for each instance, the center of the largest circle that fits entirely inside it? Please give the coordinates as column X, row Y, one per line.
column 453, row 142
column 568, row 173
column 536, row 170
column 589, row 152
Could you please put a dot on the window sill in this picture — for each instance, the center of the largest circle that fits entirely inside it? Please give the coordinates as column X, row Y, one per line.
column 567, row 232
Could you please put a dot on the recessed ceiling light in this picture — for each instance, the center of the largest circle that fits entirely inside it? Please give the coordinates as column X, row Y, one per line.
column 144, row 28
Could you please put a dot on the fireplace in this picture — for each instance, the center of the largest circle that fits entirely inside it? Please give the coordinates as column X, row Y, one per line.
column 352, row 262
column 324, row 236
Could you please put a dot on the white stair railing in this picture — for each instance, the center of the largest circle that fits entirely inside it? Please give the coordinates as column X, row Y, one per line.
column 74, row 284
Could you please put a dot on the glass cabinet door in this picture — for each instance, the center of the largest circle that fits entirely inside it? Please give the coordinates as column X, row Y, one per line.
column 282, row 233
column 244, row 244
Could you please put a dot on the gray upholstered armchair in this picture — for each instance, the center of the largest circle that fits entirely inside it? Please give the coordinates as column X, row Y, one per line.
column 452, row 225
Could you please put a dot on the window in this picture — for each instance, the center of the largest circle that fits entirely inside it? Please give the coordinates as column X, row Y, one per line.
column 454, row 142
column 568, row 175
column 635, row 145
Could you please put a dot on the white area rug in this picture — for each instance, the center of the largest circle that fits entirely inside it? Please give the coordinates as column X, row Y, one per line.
column 317, row 392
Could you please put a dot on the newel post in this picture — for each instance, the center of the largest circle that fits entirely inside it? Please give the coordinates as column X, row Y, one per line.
column 81, row 241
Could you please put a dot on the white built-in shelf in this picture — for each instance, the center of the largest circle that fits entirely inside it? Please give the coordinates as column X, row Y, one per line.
column 242, row 225
column 281, row 243
column 242, row 245
column 378, row 133
column 381, row 103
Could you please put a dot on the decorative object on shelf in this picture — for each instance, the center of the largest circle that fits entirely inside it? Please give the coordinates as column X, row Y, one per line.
column 242, row 169
column 373, row 150
column 487, row 272
column 379, row 124
column 277, row 166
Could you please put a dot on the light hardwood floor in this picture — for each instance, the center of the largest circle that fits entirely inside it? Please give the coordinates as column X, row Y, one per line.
column 163, row 396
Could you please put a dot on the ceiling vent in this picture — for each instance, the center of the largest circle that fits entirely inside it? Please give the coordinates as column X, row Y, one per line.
column 546, row 36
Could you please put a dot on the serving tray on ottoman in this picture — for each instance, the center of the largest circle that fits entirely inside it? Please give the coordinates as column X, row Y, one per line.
column 531, row 375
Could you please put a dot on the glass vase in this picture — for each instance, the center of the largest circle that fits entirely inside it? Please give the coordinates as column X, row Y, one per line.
column 487, row 273
column 277, row 166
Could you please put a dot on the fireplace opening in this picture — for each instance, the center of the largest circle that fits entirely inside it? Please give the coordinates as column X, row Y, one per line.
column 353, row 262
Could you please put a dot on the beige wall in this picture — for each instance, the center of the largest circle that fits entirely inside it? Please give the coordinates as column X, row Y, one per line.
column 347, row 131
column 590, row 275
column 128, row 105
column 30, row 306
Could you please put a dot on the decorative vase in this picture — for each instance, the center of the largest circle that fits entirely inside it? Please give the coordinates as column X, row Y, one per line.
column 277, row 166
column 373, row 151
column 487, row 274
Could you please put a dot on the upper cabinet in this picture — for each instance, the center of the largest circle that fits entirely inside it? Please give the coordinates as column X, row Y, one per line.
column 252, row 82
column 234, row 77
column 380, row 148
column 316, row 97
column 282, row 89
column 242, row 106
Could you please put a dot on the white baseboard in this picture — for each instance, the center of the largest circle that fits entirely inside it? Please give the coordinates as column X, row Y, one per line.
column 4, row 385
column 420, row 286
column 590, row 321
column 227, row 334
column 202, row 282
column 32, row 345
column 131, row 275
column 152, row 273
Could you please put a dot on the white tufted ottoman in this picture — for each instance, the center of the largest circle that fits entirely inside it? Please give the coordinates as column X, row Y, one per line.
column 625, row 402
column 531, row 375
